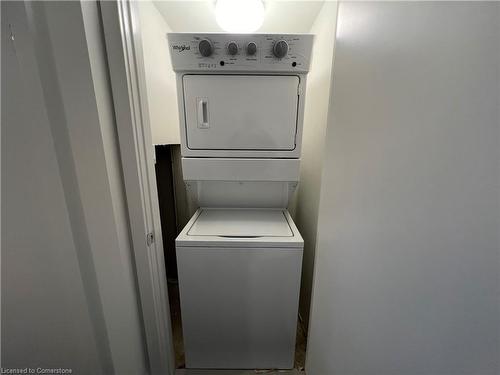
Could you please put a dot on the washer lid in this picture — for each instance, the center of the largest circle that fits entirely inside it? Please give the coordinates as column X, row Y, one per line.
column 240, row 228
column 241, row 223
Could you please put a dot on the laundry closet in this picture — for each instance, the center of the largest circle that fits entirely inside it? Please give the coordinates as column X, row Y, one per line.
column 378, row 168
column 238, row 122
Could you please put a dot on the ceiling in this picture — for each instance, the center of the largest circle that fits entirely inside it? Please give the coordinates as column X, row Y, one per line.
column 199, row 16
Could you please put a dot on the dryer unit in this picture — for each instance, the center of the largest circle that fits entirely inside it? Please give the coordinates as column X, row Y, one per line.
column 241, row 104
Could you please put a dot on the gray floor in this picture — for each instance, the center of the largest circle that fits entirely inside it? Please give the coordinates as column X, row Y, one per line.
column 173, row 294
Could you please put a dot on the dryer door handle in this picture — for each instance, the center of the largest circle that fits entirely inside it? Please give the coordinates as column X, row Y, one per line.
column 203, row 113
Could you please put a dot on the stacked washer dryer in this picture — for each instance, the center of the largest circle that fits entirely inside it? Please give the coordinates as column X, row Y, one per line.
column 241, row 105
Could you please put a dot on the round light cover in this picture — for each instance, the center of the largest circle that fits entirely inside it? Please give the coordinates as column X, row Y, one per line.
column 239, row 16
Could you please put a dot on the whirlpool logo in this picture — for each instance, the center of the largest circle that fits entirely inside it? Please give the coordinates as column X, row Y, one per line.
column 181, row 47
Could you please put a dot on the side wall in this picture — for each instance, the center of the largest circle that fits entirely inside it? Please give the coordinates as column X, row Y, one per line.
column 43, row 292
column 69, row 296
column 304, row 207
column 160, row 78
column 407, row 274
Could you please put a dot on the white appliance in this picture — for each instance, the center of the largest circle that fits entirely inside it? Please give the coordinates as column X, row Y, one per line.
column 239, row 277
column 241, row 104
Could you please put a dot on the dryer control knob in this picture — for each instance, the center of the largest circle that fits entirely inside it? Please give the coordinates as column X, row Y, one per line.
column 251, row 49
column 280, row 49
column 232, row 48
column 205, row 47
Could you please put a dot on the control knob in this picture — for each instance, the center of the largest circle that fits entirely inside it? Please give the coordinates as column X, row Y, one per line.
column 251, row 49
column 232, row 48
column 280, row 49
column 205, row 47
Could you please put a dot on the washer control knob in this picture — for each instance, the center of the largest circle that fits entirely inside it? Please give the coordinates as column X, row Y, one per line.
column 251, row 49
column 232, row 48
column 205, row 47
column 280, row 49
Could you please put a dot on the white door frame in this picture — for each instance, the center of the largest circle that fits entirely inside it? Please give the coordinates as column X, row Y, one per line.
column 123, row 44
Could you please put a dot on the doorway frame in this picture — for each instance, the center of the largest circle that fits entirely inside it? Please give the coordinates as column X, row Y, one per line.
column 120, row 22
column 122, row 38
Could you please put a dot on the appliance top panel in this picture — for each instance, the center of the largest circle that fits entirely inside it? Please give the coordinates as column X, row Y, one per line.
column 221, row 52
column 241, row 223
column 240, row 227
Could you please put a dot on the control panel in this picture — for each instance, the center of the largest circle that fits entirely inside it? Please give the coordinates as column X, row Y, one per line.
column 240, row 52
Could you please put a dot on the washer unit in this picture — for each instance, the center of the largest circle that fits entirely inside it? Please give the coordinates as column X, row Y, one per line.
column 239, row 278
column 241, row 104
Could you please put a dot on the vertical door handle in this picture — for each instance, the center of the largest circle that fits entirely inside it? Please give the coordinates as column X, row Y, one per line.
column 203, row 113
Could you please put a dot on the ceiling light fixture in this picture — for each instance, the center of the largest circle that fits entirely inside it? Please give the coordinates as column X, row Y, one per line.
column 239, row 16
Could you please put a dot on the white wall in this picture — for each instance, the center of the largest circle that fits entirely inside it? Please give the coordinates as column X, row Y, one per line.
column 304, row 207
column 280, row 16
column 407, row 274
column 160, row 78
column 42, row 289
column 68, row 290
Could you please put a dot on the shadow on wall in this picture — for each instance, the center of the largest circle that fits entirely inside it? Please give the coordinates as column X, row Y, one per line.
column 304, row 207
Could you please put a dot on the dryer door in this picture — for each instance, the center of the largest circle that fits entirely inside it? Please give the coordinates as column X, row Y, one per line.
column 241, row 112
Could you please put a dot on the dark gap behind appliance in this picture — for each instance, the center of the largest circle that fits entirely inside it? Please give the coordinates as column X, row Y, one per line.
column 166, row 200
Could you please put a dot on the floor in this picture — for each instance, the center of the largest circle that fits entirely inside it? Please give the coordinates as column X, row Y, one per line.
column 173, row 294
column 175, row 313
